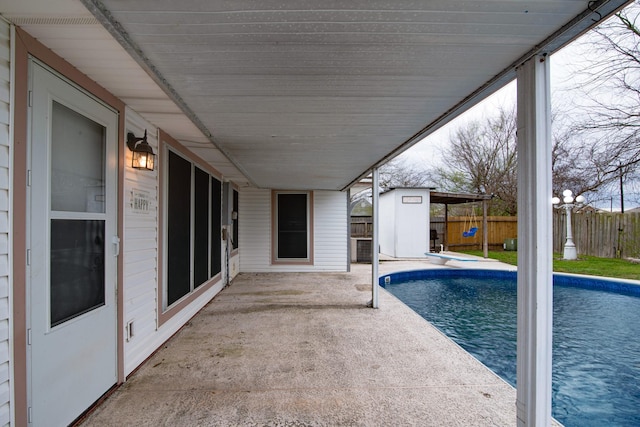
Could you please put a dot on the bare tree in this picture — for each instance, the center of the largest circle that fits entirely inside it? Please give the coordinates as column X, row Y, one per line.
column 481, row 158
column 609, row 112
column 574, row 164
column 399, row 172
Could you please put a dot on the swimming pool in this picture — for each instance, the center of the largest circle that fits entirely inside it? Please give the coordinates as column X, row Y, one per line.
column 596, row 352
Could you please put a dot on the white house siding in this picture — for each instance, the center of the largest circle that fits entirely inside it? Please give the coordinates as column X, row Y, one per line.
column 234, row 265
column 330, row 232
column 141, row 251
column 254, row 233
column 5, row 310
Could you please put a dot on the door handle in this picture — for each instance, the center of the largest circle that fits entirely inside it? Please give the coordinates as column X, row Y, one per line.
column 116, row 245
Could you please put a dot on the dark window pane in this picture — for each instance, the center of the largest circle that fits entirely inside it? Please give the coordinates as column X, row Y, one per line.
column 201, row 225
column 235, row 221
column 178, row 228
column 216, row 219
column 292, row 226
column 77, row 268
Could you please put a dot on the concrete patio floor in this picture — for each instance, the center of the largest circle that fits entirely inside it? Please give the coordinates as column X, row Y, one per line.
column 302, row 349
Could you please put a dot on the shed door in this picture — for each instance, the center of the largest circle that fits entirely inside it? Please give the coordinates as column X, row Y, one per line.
column 72, row 271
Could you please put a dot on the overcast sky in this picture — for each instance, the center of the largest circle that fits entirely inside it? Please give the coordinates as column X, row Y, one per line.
column 563, row 81
column 428, row 150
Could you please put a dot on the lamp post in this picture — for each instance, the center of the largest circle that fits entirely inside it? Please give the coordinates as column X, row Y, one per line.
column 570, row 252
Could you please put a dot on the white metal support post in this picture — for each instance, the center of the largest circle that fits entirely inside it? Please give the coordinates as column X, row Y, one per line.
column 375, row 199
column 535, row 267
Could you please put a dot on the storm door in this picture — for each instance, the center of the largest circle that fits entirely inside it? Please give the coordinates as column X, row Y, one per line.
column 73, row 249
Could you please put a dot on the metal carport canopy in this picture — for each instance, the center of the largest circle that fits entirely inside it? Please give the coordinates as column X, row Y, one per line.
column 456, row 198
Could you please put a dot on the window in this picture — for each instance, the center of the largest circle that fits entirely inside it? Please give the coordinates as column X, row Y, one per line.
column 292, row 227
column 216, row 230
column 235, row 220
column 193, row 229
column 201, row 241
column 178, row 228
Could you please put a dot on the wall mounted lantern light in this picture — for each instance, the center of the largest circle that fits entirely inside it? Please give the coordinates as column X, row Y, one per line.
column 143, row 157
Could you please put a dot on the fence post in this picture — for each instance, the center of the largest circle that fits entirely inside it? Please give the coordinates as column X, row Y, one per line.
column 445, row 239
column 485, row 230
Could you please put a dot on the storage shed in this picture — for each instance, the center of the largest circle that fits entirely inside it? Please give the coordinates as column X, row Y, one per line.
column 405, row 219
column 404, row 222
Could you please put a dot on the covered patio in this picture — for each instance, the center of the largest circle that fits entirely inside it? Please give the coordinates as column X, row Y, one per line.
column 302, row 349
column 263, row 115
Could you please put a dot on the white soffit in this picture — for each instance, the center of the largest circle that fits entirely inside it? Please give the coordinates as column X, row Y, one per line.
column 73, row 33
column 302, row 94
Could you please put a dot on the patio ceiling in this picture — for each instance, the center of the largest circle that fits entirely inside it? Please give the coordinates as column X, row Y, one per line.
column 301, row 94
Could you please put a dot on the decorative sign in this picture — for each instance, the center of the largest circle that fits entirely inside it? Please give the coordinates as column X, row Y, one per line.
column 139, row 201
column 411, row 200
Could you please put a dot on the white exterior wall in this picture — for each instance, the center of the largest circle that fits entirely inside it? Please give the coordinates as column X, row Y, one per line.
column 141, row 251
column 234, row 265
column 329, row 231
column 5, row 226
column 386, row 227
column 254, row 222
column 404, row 227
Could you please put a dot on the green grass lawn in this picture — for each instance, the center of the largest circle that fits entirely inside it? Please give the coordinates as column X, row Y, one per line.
column 585, row 264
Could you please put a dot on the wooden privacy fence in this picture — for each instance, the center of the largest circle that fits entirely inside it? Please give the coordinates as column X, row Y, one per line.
column 605, row 235
column 361, row 226
column 499, row 228
column 601, row 234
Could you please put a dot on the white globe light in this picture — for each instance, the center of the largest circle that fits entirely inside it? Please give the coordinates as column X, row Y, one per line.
column 580, row 199
column 555, row 200
column 567, row 193
column 568, row 199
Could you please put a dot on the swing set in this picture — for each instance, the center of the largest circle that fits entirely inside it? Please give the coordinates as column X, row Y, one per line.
column 470, row 224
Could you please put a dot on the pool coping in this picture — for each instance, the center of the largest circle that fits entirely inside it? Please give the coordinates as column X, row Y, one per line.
column 607, row 284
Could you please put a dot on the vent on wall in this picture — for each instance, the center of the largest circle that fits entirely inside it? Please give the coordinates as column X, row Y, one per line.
column 129, row 330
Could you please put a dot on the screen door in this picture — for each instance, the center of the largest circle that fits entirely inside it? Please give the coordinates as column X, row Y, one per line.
column 72, row 249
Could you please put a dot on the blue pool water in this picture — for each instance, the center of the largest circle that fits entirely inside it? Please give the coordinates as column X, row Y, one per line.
column 596, row 350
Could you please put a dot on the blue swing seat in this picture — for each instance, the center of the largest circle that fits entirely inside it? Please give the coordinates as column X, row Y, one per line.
column 470, row 233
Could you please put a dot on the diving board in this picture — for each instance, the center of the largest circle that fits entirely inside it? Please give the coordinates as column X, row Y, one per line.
column 442, row 259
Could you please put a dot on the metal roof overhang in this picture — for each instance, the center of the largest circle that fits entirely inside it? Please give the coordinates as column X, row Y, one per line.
column 457, row 198
column 302, row 94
